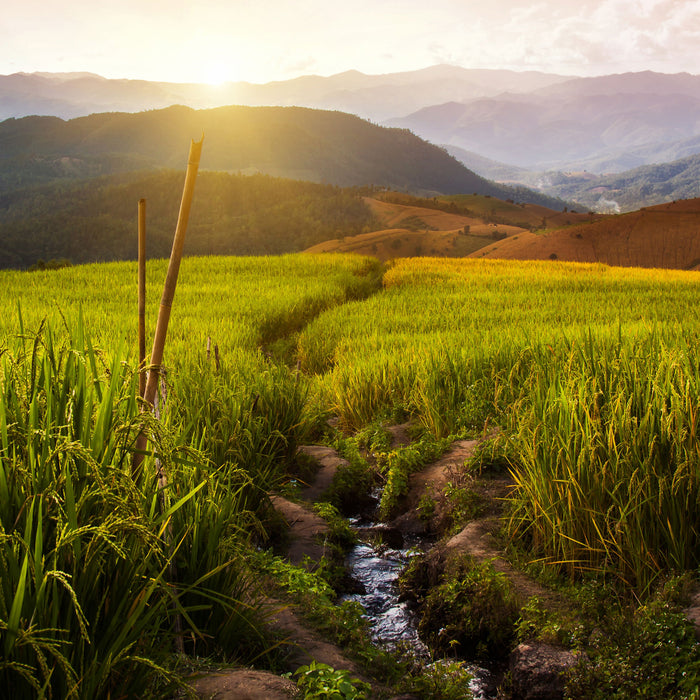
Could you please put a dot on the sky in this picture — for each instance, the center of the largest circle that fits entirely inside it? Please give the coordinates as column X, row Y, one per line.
column 266, row 40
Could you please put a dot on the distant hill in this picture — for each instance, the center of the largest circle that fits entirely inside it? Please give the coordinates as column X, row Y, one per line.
column 376, row 97
column 548, row 129
column 291, row 142
column 632, row 189
column 664, row 236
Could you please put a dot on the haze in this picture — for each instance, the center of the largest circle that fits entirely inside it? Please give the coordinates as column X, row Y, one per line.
column 264, row 40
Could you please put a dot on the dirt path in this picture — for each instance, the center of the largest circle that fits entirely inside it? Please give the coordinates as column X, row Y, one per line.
column 328, row 461
column 306, row 530
column 477, row 538
column 432, row 481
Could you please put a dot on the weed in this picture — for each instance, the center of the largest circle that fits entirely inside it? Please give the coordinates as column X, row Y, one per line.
column 472, row 613
column 322, row 682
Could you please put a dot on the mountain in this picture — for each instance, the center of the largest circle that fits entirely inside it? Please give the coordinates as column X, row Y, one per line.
column 559, row 128
column 663, row 236
column 375, row 97
column 292, row 142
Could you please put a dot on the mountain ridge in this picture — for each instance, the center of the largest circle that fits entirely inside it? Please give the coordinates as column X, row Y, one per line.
column 293, row 142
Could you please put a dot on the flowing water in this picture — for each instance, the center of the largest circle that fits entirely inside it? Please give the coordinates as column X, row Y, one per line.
column 393, row 623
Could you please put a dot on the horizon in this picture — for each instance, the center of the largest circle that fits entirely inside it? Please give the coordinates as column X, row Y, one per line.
column 215, row 43
column 88, row 73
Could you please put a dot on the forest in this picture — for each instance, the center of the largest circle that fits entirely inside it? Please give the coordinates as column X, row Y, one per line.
column 95, row 220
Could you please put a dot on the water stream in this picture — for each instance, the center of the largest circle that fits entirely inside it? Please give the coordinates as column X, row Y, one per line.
column 377, row 568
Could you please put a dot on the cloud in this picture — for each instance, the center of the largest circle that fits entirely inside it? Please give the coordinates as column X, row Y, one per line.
column 275, row 39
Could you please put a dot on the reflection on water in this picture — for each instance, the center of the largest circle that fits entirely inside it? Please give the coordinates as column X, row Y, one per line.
column 392, row 622
column 378, row 570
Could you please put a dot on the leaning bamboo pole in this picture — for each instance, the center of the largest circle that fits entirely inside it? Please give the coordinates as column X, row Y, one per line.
column 171, row 277
column 154, row 373
column 142, row 297
column 141, row 440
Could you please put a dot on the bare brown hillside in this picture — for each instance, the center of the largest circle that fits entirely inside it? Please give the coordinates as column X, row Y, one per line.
column 411, row 231
column 663, row 236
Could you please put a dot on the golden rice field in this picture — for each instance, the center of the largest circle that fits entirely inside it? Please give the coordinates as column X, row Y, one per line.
column 592, row 374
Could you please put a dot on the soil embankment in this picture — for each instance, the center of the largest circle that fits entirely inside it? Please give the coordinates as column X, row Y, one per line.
column 305, row 543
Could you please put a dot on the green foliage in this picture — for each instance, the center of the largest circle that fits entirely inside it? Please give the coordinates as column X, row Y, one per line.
column 339, row 532
column 656, row 656
column 95, row 564
column 352, row 482
column 463, row 504
column 53, row 264
column 538, row 622
column 398, row 465
column 441, row 680
column 298, row 581
column 472, row 612
column 620, row 491
column 322, row 682
column 93, row 220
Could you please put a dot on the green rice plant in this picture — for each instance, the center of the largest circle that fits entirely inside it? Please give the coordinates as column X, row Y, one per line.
column 83, row 594
column 609, row 475
column 90, row 581
column 247, row 413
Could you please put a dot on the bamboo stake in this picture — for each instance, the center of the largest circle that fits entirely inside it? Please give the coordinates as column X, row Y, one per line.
column 142, row 297
column 166, row 303
column 173, row 270
column 141, row 440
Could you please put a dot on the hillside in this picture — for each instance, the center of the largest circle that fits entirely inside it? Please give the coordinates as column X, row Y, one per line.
column 442, row 227
column 644, row 186
column 291, row 142
column 95, row 220
column 664, row 236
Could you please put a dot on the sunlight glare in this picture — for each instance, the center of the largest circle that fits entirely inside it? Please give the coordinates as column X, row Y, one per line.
column 217, row 73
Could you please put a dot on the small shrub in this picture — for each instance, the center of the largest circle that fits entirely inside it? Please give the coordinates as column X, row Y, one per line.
column 441, row 680
column 321, row 681
column 349, row 490
column 426, row 507
column 657, row 656
column 473, row 612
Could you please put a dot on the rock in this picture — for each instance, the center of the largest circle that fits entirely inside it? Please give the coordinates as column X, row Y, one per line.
column 693, row 613
column 536, row 671
column 387, row 535
column 244, row 684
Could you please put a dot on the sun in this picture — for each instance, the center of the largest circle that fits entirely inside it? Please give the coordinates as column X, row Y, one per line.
column 217, row 73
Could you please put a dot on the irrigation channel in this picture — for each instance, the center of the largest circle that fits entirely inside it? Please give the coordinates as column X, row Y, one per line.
column 377, row 566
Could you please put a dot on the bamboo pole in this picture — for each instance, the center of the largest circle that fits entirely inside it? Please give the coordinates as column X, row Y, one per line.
column 141, row 440
column 142, row 297
column 173, row 270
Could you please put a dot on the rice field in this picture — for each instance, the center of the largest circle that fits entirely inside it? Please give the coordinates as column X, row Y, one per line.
column 590, row 372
